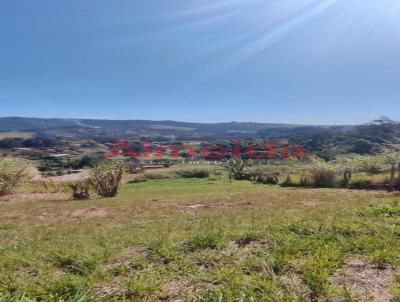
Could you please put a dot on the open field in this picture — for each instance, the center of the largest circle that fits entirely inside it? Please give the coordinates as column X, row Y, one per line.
column 203, row 240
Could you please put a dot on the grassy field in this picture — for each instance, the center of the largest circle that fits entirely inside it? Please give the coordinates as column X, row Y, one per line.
column 203, row 240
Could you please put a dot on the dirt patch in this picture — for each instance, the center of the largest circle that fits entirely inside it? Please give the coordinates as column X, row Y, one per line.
column 310, row 203
column 109, row 289
column 126, row 258
column 91, row 212
column 195, row 206
column 364, row 281
column 249, row 242
column 135, row 258
column 23, row 197
column 293, row 283
column 174, row 291
column 69, row 177
column 7, row 216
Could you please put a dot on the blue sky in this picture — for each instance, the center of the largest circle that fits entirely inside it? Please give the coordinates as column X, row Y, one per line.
column 294, row 61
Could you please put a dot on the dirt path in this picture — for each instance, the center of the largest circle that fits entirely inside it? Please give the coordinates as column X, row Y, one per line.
column 64, row 178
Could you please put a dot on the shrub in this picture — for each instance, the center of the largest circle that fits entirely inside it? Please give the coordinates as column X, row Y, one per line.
column 194, row 173
column 360, row 184
column 347, row 176
column 305, row 180
column 236, row 169
column 80, row 190
column 267, row 179
column 107, row 178
column 87, row 161
column 155, row 176
column 13, row 172
column 374, row 169
column 323, row 178
column 288, row 182
column 150, row 176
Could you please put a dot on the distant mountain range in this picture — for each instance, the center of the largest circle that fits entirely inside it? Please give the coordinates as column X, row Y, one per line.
column 168, row 129
column 326, row 142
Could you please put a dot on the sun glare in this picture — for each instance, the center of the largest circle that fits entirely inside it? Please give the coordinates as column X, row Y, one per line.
column 252, row 26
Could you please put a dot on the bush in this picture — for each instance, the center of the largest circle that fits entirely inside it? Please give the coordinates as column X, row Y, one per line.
column 288, row 182
column 150, row 176
column 80, row 190
column 236, row 169
column 271, row 180
column 13, row 172
column 194, row 173
column 373, row 169
column 87, row 161
column 323, row 178
column 155, row 176
column 305, row 180
column 360, row 184
column 107, row 178
column 267, row 179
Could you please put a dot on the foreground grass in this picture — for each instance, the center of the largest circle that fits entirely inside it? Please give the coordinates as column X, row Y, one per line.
column 195, row 240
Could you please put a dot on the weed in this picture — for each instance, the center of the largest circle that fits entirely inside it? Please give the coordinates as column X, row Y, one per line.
column 207, row 241
column 142, row 284
column 381, row 210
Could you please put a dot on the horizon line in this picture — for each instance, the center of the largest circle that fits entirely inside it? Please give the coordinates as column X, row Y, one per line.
column 190, row 122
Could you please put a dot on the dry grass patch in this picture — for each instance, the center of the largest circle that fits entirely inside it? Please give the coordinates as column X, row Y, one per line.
column 363, row 281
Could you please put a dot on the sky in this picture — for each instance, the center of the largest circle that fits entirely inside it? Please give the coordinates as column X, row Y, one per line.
column 292, row 61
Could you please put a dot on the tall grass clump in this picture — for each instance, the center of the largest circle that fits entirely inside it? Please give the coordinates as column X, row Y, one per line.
column 323, row 178
column 80, row 190
column 206, row 241
column 106, row 178
column 236, row 169
column 13, row 173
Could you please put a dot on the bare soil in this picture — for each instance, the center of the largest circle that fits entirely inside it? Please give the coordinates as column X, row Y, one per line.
column 365, row 281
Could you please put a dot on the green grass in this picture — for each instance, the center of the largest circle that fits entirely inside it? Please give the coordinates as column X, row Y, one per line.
column 193, row 239
column 382, row 211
